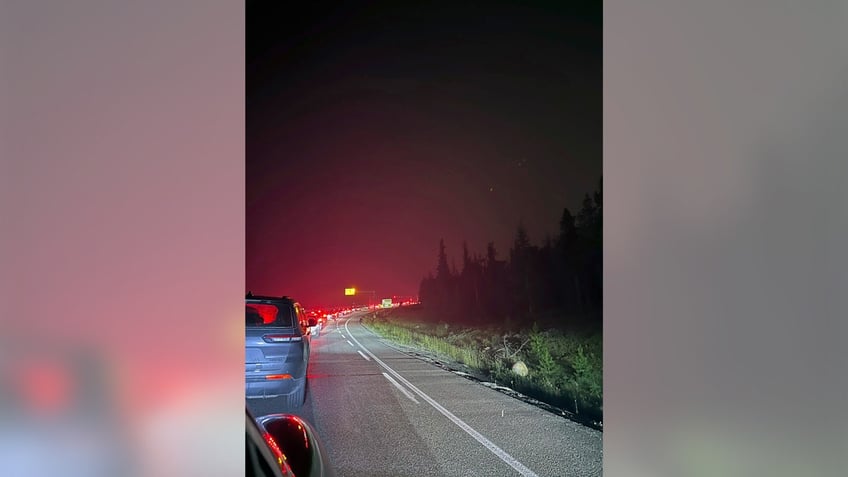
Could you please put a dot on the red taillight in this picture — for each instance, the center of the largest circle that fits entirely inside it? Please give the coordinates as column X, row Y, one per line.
column 278, row 376
column 279, row 338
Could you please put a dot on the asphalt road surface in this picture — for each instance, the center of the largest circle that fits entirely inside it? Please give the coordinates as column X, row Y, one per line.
column 381, row 413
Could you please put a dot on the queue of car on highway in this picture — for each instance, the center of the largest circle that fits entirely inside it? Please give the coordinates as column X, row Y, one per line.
column 278, row 341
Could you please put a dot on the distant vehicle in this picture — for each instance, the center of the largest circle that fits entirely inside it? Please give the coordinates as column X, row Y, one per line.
column 320, row 320
column 282, row 445
column 277, row 345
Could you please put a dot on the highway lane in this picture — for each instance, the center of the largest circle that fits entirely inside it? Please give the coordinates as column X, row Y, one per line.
column 380, row 412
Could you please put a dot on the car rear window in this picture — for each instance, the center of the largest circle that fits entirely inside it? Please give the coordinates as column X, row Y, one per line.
column 266, row 314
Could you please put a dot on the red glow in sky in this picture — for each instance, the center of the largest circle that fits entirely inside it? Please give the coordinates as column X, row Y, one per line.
column 373, row 132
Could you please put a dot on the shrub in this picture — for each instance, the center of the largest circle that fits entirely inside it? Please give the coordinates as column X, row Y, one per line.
column 566, row 369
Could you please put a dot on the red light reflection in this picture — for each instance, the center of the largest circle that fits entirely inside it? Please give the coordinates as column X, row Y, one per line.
column 267, row 312
column 46, row 387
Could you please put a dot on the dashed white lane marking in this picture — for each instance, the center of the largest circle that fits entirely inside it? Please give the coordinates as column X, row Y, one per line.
column 510, row 460
column 363, row 355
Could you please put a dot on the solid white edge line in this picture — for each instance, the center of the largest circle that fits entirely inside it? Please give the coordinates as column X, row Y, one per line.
column 494, row 449
column 401, row 388
column 363, row 355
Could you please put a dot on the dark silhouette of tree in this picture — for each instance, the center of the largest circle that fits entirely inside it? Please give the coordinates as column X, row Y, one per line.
column 599, row 195
column 442, row 271
column 494, row 281
column 522, row 269
column 426, row 290
column 491, row 253
column 567, row 276
column 466, row 284
column 546, row 296
column 590, row 252
column 470, row 283
column 561, row 278
column 440, row 294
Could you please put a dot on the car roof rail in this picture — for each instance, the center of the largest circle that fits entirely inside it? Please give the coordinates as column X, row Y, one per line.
column 264, row 297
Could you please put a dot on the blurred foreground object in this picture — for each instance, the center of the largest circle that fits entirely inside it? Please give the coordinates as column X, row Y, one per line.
column 58, row 414
column 288, row 447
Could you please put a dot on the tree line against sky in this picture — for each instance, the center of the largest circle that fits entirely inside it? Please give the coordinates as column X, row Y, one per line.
column 559, row 282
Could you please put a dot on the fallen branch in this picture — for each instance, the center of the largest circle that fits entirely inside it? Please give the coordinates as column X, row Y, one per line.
column 509, row 354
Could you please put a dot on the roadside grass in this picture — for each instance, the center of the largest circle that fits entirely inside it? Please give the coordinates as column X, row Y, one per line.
column 563, row 369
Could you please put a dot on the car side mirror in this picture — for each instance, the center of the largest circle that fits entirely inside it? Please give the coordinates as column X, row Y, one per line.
column 312, row 322
column 298, row 442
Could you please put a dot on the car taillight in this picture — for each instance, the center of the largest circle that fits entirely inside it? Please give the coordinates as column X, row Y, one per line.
column 280, row 338
column 278, row 376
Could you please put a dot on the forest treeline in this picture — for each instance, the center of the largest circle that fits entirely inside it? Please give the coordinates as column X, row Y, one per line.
column 558, row 283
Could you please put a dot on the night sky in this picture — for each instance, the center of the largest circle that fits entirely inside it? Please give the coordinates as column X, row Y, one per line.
column 375, row 130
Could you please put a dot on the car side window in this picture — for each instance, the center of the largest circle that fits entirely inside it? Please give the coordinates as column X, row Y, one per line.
column 300, row 317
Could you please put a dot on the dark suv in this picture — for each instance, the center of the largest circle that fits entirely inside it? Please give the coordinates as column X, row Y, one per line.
column 276, row 349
